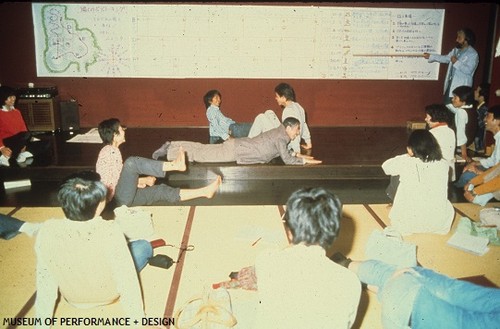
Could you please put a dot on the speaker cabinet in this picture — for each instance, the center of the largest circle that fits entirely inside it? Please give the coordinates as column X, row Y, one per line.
column 40, row 114
column 70, row 116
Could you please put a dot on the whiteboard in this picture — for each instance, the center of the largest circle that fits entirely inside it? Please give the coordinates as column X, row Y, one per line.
column 235, row 41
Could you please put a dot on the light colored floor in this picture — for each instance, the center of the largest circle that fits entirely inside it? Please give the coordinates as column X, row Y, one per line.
column 223, row 238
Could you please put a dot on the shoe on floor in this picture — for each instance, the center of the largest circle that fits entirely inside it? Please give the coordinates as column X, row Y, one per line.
column 162, row 261
column 4, row 161
column 340, row 259
column 27, row 154
column 21, row 158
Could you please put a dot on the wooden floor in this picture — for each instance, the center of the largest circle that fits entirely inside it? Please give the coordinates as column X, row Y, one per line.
column 247, row 207
column 352, row 158
column 236, row 230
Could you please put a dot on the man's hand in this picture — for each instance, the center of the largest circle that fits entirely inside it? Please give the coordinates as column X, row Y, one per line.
column 311, row 160
column 303, row 156
column 427, row 55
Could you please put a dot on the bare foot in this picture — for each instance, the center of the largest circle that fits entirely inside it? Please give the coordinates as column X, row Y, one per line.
column 180, row 162
column 212, row 187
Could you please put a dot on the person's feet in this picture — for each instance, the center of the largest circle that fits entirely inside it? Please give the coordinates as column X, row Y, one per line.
column 162, row 151
column 212, row 187
column 180, row 162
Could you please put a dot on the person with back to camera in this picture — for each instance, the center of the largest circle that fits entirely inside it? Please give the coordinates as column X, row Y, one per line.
column 421, row 202
column 299, row 286
column 16, row 141
column 260, row 149
column 462, row 60
column 221, row 127
column 83, row 257
column 126, row 182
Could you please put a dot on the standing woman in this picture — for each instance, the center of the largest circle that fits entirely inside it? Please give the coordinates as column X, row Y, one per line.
column 421, row 203
column 132, row 183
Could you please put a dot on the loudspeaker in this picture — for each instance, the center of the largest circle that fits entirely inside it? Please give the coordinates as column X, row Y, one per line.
column 70, row 116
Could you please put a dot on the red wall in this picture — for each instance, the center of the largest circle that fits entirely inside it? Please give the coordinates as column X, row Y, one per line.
column 178, row 102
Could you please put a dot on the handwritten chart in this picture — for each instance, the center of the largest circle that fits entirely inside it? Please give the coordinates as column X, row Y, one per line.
column 235, row 41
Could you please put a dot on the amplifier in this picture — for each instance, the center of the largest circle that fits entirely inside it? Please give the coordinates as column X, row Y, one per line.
column 38, row 92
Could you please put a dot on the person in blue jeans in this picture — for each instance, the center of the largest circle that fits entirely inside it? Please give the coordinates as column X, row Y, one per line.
column 141, row 250
column 221, row 128
column 474, row 168
column 418, row 298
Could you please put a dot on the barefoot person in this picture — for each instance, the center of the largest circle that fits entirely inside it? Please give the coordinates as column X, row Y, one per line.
column 132, row 183
column 260, row 149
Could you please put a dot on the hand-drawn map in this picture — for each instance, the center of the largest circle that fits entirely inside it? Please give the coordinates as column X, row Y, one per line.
column 235, row 41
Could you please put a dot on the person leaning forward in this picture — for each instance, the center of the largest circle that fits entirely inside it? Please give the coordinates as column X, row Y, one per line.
column 260, row 149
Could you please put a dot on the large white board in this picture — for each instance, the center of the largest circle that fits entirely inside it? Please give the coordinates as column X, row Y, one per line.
column 235, row 41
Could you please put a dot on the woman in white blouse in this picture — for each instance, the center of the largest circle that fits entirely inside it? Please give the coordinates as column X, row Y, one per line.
column 421, row 203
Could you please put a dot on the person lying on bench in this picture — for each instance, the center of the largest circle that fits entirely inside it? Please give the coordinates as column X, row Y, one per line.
column 260, row 149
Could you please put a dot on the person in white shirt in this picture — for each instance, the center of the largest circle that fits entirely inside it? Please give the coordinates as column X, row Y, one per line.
column 492, row 124
column 299, row 287
column 439, row 120
column 84, row 257
column 462, row 63
column 421, row 202
column 221, row 128
column 285, row 97
column 463, row 100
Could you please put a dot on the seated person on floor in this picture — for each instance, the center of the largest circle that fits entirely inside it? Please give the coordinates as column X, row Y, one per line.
column 484, row 187
column 221, row 127
column 439, row 122
column 127, row 183
column 260, row 149
column 463, row 99
column 492, row 124
column 84, row 257
column 141, row 250
column 299, row 286
column 285, row 97
column 264, row 122
column 11, row 227
column 16, row 145
column 421, row 202
column 421, row 298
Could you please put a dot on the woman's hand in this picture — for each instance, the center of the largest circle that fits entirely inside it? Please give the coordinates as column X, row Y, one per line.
column 146, row 181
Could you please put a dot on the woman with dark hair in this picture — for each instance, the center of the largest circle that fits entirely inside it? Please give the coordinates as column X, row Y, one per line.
column 132, row 183
column 16, row 143
column 421, row 202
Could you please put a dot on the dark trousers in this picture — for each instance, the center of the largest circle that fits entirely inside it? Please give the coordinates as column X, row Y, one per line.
column 9, row 226
column 23, row 139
